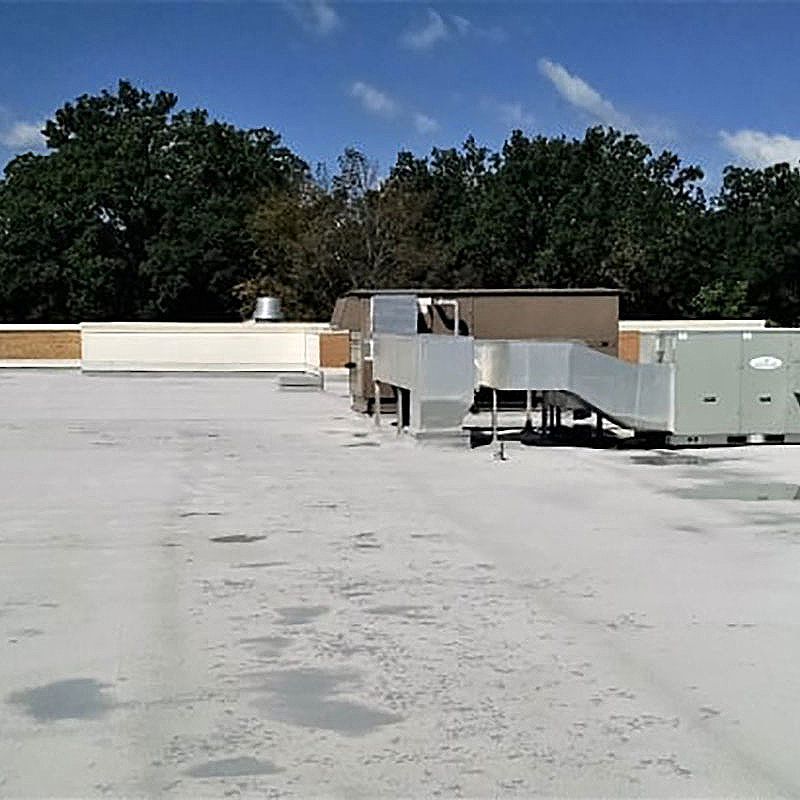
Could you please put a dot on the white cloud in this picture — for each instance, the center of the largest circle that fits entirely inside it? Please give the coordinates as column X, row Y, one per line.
column 373, row 100
column 761, row 149
column 494, row 34
column 435, row 30
column 511, row 114
column 378, row 102
column 316, row 16
column 579, row 93
column 424, row 124
column 23, row 135
column 462, row 25
column 325, row 17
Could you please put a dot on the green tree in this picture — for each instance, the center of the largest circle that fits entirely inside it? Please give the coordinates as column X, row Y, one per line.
column 756, row 230
column 136, row 212
column 302, row 253
column 319, row 239
column 601, row 211
column 723, row 298
column 316, row 240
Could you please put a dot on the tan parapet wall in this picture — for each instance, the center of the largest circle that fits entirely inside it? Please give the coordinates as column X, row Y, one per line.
column 40, row 343
column 334, row 349
column 629, row 346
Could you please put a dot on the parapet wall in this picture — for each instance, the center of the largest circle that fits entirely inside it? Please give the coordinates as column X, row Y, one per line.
column 638, row 339
column 168, row 346
column 40, row 345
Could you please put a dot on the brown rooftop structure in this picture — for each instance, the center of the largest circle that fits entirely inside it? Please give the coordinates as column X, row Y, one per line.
column 587, row 315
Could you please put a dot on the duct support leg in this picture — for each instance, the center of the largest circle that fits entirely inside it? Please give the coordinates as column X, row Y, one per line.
column 399, row 407
column 552, row 417
column 376, row 387
column 558, row 417
column 494, row 415
column 544, row 418
column 528, row 408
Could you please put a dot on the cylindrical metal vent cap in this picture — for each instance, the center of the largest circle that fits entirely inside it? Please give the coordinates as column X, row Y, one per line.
column 268, row 309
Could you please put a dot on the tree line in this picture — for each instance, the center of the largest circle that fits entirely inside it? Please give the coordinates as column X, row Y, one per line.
column 140, row 211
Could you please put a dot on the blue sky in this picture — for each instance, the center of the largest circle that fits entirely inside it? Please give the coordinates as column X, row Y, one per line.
column 716, row 82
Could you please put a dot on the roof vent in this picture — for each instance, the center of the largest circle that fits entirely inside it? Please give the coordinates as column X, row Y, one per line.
column 268, row 309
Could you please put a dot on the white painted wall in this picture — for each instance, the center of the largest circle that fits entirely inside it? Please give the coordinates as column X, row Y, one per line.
column 661, row 325
column 227, row 346
column 312, row 347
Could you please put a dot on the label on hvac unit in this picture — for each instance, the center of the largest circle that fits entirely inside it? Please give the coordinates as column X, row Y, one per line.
column 765, row 362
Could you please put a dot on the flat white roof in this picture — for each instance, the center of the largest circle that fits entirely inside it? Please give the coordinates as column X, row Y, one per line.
column 208, row 585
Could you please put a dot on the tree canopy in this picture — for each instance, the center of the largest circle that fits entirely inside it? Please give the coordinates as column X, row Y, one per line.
column 142, row 211
column 138, row 211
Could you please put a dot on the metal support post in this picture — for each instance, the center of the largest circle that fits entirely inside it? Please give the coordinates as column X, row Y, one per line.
column 494, row 415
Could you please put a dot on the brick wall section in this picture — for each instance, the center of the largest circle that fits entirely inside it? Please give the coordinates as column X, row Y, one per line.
column 629, row 346
column 334, row 349
column 49, row 345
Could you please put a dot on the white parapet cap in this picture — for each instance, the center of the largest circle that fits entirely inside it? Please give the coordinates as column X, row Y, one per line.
column 25, row 327
column 656, row 325
column 248, row 326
